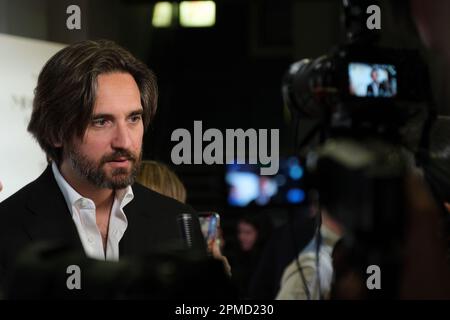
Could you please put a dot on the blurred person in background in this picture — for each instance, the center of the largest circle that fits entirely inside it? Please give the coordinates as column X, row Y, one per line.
column 281, row 249
column 300, row 280
column 158, row 177
column 253, row 232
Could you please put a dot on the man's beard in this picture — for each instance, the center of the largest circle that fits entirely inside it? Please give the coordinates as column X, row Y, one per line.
column 95, row 173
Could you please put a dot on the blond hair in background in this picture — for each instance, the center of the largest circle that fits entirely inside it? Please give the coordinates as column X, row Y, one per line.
column 158, row 177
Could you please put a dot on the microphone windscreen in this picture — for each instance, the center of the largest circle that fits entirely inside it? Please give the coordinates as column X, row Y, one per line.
column 185, row 224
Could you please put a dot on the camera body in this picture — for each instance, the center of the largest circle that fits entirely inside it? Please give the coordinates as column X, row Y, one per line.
column 359, row 88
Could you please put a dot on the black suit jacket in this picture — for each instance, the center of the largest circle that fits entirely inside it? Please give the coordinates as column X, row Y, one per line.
column 39, row 212
column 381, row 89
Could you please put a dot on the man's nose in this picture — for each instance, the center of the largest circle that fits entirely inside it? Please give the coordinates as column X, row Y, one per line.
column 122, row 137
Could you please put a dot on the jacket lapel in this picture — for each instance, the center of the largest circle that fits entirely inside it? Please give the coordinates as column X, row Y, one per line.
column 49, row 218
column 132, row 242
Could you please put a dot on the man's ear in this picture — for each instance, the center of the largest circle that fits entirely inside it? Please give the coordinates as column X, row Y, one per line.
column 56, row 142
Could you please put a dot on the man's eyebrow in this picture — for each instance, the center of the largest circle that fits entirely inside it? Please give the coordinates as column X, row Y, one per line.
column 110, row 116
column 101, row 116
column 136, row 112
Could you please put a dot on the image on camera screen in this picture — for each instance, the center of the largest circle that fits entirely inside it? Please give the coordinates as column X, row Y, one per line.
column 372, row 80
column 246, row 187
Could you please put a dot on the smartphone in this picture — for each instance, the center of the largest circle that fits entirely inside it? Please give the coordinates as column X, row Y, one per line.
column 209, row 222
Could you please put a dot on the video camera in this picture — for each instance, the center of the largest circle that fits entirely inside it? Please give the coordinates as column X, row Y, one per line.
column 359, row 87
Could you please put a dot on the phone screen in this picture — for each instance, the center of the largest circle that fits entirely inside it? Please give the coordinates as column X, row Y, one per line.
column 209, row 222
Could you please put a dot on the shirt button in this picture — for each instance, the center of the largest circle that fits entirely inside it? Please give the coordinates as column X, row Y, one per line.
column 90, row 240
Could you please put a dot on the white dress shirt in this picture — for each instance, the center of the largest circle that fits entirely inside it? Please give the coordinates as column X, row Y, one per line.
column 84, row 216
column 292, row 286
column 375, row 89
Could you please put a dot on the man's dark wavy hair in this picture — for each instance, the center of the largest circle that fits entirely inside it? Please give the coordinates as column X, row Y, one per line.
column 66, row 90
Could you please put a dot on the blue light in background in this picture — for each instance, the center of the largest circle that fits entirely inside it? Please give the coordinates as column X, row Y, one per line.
column 296, row 172
column 295, row 195
column 244, row 188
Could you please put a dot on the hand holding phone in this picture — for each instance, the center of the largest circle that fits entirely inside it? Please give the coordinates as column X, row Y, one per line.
column 210, row 224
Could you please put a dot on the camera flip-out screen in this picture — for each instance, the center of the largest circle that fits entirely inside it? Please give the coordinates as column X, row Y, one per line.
column 368, row 80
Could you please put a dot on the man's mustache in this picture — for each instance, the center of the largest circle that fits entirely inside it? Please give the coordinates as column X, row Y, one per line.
column 128, row 155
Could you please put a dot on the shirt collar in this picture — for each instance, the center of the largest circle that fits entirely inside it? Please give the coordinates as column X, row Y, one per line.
column 72, row 197
column 124, row 196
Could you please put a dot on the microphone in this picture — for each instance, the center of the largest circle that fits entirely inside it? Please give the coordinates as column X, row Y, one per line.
column 185, row 224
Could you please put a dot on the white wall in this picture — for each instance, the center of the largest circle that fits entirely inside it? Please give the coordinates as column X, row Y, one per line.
column 21, row 159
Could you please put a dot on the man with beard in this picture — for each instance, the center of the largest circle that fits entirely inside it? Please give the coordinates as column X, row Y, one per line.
column 92, row 104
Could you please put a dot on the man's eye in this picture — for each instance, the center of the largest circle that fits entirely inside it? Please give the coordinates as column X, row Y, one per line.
column 135, row 118
column 99, row 122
